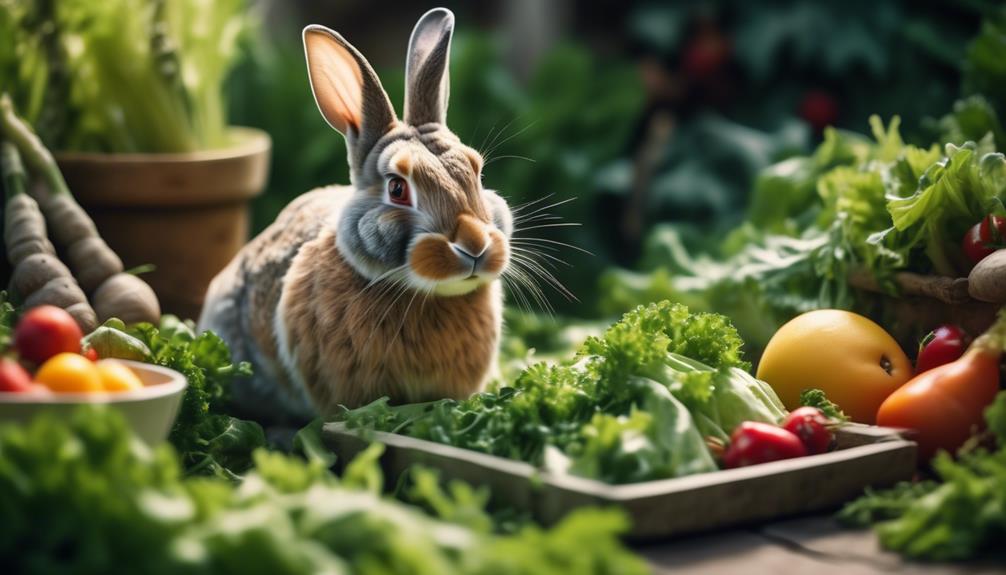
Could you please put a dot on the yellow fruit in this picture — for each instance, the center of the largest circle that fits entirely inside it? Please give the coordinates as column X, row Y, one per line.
column 852, row 359
column 116, row 376
column 69, row 373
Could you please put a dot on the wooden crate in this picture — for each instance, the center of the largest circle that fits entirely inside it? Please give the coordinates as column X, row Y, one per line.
column 865, row 456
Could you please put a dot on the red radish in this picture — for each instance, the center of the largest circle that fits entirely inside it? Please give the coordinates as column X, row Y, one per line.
column 754, row 442
column 984, row 238
column 944, row 344
column 13, row 377
column 811, row 426
column 46, row 331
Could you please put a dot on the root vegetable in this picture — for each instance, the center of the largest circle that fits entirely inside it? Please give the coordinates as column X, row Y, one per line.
column 93, row 263
column 84, row 314
column 60, row 292
column 24, row 225
column 987, row 280
column 39, row 277
column 95, row 260
column 126, row 297
column 36, row 270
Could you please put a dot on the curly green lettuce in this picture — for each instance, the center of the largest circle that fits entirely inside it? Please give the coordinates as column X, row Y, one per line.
column 635, row 403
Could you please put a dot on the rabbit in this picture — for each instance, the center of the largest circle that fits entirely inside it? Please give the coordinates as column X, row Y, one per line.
column 389, row 286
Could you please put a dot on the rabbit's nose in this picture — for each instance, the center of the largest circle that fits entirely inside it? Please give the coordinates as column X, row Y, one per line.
column 469, row 258
column 471, row 236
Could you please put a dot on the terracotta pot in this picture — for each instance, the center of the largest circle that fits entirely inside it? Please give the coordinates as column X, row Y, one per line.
column 187, row 214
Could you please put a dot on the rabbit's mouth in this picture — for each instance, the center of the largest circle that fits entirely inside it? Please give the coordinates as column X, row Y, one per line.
column 460, row 287
column 449, row 268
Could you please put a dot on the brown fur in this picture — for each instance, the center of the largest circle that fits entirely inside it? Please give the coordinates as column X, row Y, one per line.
column 471, row 235
column 433, row 259
column 352, row 348
column 403, row 164
column 497, row 256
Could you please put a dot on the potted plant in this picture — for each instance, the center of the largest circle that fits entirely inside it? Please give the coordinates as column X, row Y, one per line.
column 131, row 95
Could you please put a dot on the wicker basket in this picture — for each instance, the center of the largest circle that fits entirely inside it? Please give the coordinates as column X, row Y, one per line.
column 924, row 303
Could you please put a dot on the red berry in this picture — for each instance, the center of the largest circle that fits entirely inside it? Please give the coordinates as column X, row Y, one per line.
column 819, row 109
column 46, row 331
column 811, row 426
column 706, row 54
column 754, row 442
column 91, row 354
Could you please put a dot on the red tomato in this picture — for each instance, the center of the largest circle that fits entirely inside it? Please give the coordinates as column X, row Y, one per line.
column 13, row 377
column 91, row 354
column 944, row 344
column 811, row 426
column 754, row 442
column 984, row 238
column 46, row 331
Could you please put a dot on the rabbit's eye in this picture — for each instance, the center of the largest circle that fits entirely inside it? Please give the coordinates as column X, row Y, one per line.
column 398, row 191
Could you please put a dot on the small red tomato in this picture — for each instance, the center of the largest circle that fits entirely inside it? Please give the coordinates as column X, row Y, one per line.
column 46, row 331
column 943, row 345
column 984, row 238
column 91, row 354
column 754, row 442
column 13, row 377
column 811, row 426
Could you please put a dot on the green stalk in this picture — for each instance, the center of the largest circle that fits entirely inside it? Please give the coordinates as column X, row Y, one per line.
column 15, row 130
column 52, row 119
column 14, row 177
column 936, row 250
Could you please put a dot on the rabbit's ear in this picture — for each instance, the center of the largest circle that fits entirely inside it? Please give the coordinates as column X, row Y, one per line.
column 346, row 89
column 427, row 83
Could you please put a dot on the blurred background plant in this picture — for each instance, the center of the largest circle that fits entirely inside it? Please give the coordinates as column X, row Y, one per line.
column 122, row 75
column 645, row 112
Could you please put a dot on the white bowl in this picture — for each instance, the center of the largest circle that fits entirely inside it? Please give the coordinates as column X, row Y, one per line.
column 150, row 411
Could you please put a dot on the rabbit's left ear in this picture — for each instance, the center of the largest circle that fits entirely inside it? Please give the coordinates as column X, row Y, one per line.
column 427, row 83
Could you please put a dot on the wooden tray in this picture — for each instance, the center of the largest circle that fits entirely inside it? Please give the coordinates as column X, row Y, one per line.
column 866, row 456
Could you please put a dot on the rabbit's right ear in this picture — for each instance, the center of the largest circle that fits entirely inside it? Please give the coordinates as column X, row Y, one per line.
column 347, row 90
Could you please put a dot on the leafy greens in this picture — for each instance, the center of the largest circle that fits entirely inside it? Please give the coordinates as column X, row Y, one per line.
column 83, row 495
column 959, row 517
column 856, row 207
column 635, row 404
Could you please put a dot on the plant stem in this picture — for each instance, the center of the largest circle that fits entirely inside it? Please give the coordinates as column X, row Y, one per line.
column 14, row 177
column 35, row 153
column 52, row 119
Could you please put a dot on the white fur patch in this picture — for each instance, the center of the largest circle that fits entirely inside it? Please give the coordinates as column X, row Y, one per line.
column 288, row 359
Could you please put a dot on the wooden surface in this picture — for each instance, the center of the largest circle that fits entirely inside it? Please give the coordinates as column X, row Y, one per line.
column 866, row 456
column 807, row 545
